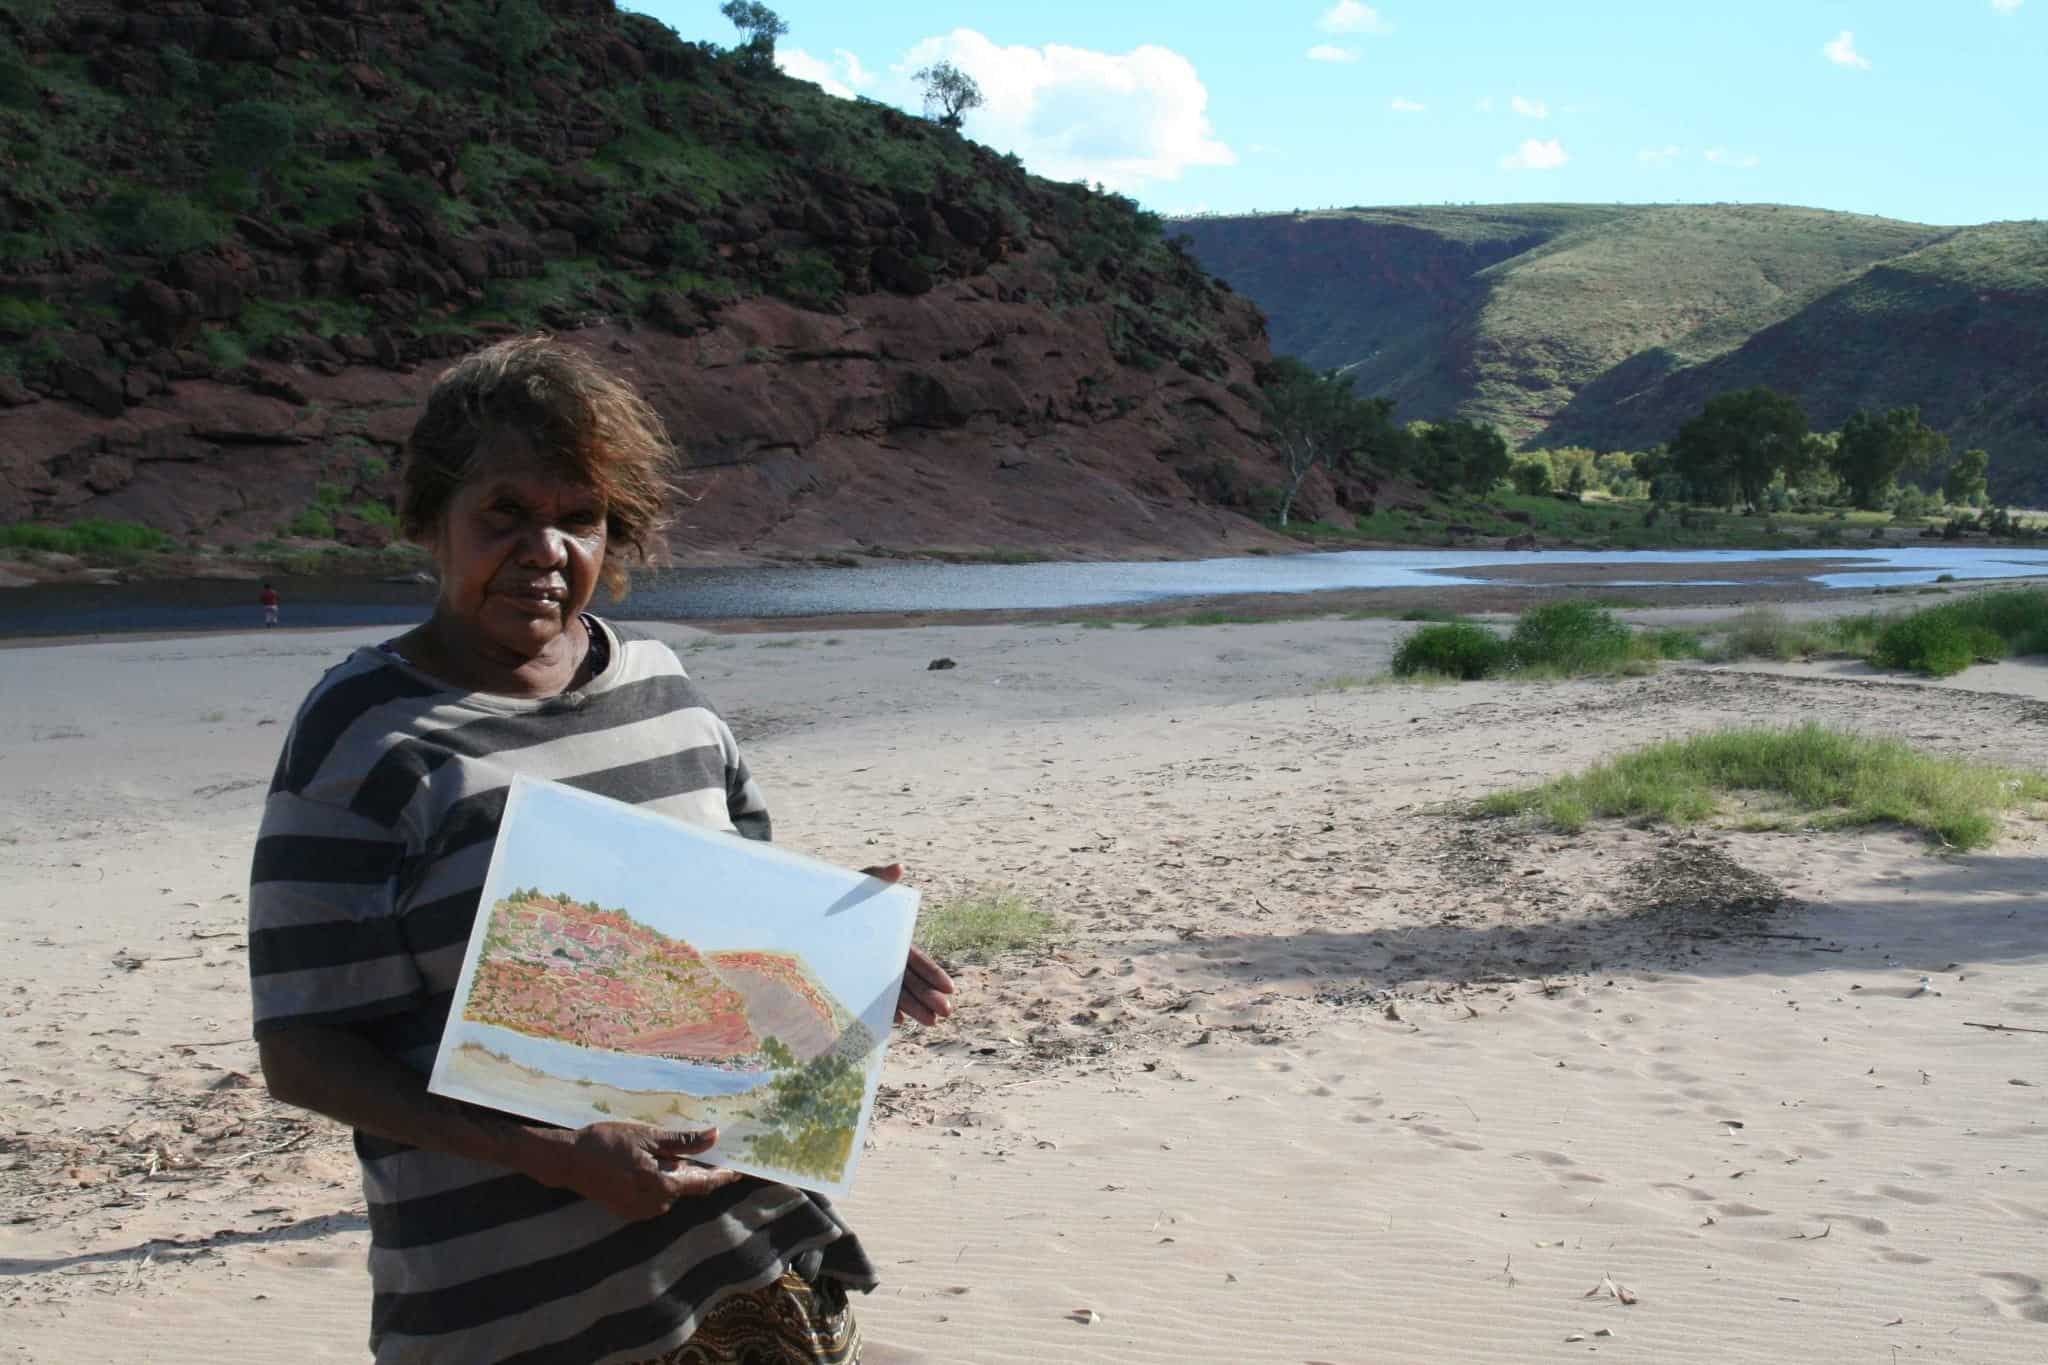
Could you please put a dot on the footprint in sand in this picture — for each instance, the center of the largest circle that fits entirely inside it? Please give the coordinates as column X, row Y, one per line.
column 1443, row 1137
column 1900, row 1192
column 1738, row 1210
column 1876, row 1227
column 2025, row 1213
column 1546, row 1158
column 2018, row 1296
column 1692, row 1192
column 1905, row 1257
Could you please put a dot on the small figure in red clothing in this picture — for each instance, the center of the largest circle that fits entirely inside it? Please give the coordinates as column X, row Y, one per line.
column 269, row 600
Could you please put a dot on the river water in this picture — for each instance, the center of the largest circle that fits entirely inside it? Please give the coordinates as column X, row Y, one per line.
column 911, row 586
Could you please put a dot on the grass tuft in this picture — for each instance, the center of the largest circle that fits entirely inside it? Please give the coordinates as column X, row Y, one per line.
column 1549, row 643
column 1765, row 633
column 1831, row 779
column 983, row 924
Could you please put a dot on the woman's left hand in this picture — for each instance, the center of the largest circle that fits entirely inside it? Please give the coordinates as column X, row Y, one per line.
column 927, row 991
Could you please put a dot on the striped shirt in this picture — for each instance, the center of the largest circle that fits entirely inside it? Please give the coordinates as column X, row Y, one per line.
column 368, row 870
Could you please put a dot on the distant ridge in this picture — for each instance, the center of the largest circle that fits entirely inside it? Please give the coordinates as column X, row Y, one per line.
column 1608, row 325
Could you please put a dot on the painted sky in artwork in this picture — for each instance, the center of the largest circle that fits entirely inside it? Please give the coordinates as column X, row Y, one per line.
column 657, row 870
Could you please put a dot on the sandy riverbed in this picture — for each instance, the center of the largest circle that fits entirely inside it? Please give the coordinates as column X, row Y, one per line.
column 1323, row 1073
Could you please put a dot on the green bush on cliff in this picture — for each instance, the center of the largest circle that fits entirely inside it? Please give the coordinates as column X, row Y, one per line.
column 149, row 223
column 17, row 79
column 22, row 316
column 251, row 136
column 89, row 537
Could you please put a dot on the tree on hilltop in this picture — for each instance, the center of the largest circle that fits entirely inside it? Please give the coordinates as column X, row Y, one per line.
column 1738, row 444
column 1873, row 450
column 949, row 93
column 762, row 27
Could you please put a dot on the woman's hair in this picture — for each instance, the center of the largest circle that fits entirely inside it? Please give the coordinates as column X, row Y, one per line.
column 590, row 425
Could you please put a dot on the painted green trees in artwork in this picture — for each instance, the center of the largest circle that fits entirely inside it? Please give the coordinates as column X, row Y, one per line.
column 812, row 1111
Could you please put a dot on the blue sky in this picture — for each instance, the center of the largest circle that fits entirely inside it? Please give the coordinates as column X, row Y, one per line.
column 1921, row 109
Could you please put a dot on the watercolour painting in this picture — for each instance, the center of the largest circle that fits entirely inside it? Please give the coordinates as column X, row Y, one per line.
column 624, row 965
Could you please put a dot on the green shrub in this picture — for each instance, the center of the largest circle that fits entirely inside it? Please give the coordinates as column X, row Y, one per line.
column 312, row 524
column 376, row 514
column 251, row 136
column 91, row 536
column 686, row 246
column 1455, row 649
column 180, row 67
column 1765, row 633
column 520, row 29
column 17, row 79
column 22, row 316
column 224, row 350
column 152, row 224
column 1570, row 638
column 1943, row 640
column 1671, row 642
column 809, row 278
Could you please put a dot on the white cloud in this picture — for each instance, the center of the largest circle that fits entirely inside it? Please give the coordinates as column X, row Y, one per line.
column 1842, row 52
column 1348, row 16
column 1528, row 108
column 1329, row 52
column 1659, row 156
column 1404, row 105
column 843, row 76
column 1125, row 119
column 2007, row 6
column 1535, row 156
column 1742, row 161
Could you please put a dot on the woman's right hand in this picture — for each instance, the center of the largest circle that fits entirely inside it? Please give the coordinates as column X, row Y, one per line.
column 638, row 1171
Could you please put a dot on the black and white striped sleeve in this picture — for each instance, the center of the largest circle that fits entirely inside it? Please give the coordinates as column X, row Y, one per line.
column 325, row 941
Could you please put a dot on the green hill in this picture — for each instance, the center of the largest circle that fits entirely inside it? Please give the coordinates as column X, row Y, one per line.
column 1608, row 326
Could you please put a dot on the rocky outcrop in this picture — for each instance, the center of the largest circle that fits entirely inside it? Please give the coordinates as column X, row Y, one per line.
column 953, row 419
column 862, row 329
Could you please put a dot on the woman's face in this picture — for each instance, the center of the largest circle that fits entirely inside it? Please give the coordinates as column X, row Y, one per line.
column 520, row 550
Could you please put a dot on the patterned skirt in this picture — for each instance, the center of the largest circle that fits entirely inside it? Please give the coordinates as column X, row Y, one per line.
column 789, row 1322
